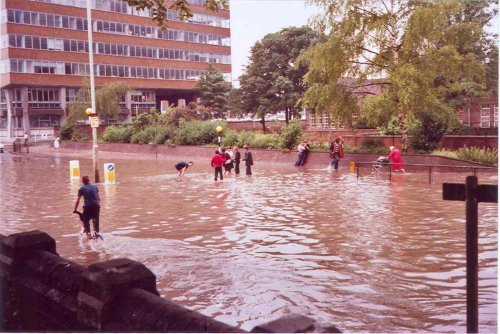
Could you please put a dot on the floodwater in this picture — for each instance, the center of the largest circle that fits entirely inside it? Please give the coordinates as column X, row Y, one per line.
column 366, row 255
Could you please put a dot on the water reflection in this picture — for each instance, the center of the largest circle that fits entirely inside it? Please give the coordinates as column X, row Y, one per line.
column 365, row 254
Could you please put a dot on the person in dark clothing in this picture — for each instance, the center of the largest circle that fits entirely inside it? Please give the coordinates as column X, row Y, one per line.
column 91, row 206
column 237, row 159
column 248, row 160
column 307, row 149
column 300, row 151
column 229, row 162
column 217, row 163
column 182, row 166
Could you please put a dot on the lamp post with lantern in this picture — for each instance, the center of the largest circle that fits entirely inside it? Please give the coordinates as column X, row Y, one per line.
column 91, row 112
column 94, row 123
column 219, row 132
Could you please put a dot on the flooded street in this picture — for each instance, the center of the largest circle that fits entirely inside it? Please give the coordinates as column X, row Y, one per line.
column 366, row 255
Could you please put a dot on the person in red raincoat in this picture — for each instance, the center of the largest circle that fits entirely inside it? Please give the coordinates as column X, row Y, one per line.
column 395, row 157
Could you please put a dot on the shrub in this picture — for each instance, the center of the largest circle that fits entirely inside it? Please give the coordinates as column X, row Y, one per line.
column 197, row 132
column 153, row 135
column 116, row 134
column 428, row 133
column 246, row 138
column 371, row 143
column 483, row 155
column 266, row 141
column 79, row 135
column 455, row 128
column 163, row 134
column 446, row 153
column 144, row 120
column 320, row 147
column 392, row 127
column 230, row 138
column 66, row 132
column 373, row 146
column 291, row 134
column 141, row 137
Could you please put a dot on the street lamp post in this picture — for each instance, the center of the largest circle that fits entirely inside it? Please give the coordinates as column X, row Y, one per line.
column 219, row 131
column 93, row 110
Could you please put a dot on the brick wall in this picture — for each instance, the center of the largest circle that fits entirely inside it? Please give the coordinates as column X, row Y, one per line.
column 351, row 138
column 43, row 292
column 355, row 139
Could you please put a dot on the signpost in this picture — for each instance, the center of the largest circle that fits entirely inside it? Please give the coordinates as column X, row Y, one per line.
column 94, row 124
column 472, row 193
column 94, row 121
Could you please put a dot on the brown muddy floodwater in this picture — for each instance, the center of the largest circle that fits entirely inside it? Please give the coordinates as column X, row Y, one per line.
column 366, row 255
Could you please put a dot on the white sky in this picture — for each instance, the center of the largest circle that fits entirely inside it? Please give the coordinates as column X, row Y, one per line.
column 251, row 20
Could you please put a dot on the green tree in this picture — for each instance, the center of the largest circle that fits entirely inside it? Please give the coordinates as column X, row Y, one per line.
column 491, row 63
column 424, row 54
column 273, row 79
column 159, row 8
column 107, row 98
column 214, row 92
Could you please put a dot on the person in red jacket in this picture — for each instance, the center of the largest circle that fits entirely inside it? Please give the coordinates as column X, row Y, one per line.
column 397, row 162
column 336, row 152
column 217, row 163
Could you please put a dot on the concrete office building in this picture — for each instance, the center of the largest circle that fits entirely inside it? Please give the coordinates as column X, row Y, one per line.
column 44, row 58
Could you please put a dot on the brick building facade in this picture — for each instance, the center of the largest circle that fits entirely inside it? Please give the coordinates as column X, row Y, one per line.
column 480, row 114
column 44, row 58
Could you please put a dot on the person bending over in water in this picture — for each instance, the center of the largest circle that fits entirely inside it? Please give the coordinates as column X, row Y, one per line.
column 182, row 166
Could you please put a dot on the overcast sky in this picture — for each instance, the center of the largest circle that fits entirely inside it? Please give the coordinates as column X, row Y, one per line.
column 251, row 20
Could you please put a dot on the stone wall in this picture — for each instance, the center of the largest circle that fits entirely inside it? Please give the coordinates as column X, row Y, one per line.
column 43, row 292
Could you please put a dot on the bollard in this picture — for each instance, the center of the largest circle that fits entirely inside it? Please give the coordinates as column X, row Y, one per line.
column 109, row 173
column 352, row 166
column 74, row 169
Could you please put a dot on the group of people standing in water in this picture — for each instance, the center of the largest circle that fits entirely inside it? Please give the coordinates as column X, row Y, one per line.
column 230, row 158
column 336, row 151
column 223, row 162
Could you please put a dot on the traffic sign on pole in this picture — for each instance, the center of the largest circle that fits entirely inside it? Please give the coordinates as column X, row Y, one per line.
column 94, row 121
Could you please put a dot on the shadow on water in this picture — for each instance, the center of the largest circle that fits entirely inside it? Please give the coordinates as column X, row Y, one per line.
column 362, row 253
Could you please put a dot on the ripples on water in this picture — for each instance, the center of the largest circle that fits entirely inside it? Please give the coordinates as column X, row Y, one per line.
column 365, row 254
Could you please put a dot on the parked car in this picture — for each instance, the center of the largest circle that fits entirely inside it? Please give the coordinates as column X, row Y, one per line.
column 1, row 147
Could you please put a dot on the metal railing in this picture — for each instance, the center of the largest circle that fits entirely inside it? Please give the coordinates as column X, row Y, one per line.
column 429, row 168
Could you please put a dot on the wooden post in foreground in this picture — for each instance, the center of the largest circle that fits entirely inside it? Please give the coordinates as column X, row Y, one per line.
column 472, row 194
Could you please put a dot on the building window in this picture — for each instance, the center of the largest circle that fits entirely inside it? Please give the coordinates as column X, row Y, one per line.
column 485, row 116
column 44, row 98
column 18, row 122
column 45, row 121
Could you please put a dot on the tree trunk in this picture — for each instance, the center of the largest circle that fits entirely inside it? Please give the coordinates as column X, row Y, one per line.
column 263, row 122
column 287, row 115
column 403, row 130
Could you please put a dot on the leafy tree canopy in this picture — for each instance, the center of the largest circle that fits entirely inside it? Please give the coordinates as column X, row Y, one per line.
column 159, row 8
column 273, row 79
column 214, row 92
column 426, row 55
column 108, row 99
